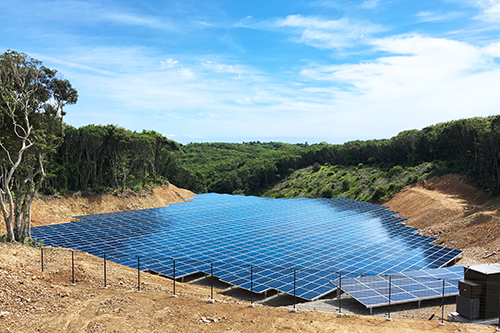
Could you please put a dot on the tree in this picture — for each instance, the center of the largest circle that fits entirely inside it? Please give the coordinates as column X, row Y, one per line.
column 32, row 99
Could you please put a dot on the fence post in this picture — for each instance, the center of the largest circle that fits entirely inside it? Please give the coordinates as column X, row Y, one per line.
column 339, row 295
column 41, row 255
column 72, row 267
column 174, row 295
column 251, row 286
column 294, row 285
column 442, row 307
column 212, row 300
column 389, row 308
column 105, row 285
column 138, row 274
column 498, row 326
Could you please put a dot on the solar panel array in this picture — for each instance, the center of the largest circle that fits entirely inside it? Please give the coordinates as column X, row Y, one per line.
column 257, row 243
column 374, row 291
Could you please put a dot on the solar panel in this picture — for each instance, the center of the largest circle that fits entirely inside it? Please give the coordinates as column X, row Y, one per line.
column 275, row 238
column 374, row 291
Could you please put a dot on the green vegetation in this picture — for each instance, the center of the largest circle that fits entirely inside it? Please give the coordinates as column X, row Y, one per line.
column 363, row 183
column 109, row 158
column 374, row 169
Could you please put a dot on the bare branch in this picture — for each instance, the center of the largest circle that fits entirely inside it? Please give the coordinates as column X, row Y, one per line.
column 8, row 153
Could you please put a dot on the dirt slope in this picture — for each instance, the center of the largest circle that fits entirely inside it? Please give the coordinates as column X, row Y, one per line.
column 460, row 215
column 61, row 209
column 35, row 301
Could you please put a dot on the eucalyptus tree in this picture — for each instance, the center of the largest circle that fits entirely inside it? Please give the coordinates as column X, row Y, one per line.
column 32, row 99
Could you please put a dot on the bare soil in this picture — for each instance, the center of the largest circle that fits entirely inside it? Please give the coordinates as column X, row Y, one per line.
column 461, row 216
column 35, row 301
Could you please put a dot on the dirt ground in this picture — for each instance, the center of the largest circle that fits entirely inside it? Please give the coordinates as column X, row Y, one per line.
column 461, row 216
column 35, row 301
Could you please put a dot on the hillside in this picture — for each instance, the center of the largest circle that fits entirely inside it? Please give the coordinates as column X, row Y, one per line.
column 461, row 216
column 48, row 209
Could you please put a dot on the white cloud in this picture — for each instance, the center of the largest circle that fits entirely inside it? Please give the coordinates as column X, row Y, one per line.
column 490, row 10
column 322, row 33
column 429, row 16
column 186, row 73
column 169, row 63
column 365, row 4
column 419, row 81
column 370, row 4
column 417, row 65
column 423, row 81
column 493, row 50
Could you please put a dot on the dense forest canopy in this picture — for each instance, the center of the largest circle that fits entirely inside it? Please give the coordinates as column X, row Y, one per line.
column 101, row 158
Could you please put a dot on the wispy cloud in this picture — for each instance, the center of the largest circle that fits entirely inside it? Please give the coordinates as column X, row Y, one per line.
column 328, row 34
column 118, row 17
column 365, row 4
column 434, row 78
column 490, row 10
column 370, row 4
column 87, row 11
column 430, row 16
column 169, row 63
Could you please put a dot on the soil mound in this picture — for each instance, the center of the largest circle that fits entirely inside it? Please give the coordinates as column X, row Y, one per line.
column 460, row 215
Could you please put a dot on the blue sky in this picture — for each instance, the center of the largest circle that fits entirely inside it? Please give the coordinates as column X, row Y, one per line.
column 291, row 71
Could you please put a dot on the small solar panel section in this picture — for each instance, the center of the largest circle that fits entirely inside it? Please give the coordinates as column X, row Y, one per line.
column 257, row 243
column 380, row 290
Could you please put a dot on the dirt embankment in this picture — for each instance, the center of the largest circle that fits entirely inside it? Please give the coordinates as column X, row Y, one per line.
column 51, row 210
column 461, row 216
column 47, row 210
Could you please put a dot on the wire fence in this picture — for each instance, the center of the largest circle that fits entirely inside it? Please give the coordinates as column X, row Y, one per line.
column 373, row 291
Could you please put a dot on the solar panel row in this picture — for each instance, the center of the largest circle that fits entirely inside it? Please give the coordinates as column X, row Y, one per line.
column 374, row 291
column 315, row 237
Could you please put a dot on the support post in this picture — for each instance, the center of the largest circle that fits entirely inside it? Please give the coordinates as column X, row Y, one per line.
column 72, row 268
column 105, row 282
column 41, row 256
column 251, row 286
column 389, row 308
column 294, row 285
column 339, row 295
column 138, row 274
column 498, row 325
column 174, row 295
column 212, row 300
column 442, row 306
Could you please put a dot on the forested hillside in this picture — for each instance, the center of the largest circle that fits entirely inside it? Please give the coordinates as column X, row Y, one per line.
column 468, row 146
column 103, row 158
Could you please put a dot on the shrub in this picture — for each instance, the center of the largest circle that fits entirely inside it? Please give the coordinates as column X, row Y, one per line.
column 328, row 193
column 395, row 170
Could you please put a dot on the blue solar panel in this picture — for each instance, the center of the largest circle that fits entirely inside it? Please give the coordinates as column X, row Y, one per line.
column 374, row 291
column 313, row 237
